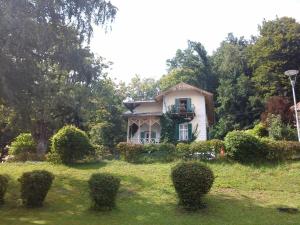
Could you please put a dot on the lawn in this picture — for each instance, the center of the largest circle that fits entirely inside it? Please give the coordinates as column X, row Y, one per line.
column 240, row 195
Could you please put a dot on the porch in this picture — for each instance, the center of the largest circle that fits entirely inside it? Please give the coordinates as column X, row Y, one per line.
column 143, row 130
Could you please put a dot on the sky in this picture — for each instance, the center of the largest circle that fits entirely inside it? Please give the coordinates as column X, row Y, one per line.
column 146, row 33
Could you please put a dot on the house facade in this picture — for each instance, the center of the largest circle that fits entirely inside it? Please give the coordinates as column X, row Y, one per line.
column 193, row 105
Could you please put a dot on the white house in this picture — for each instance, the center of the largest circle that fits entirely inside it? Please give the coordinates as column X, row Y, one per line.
column 183, row 100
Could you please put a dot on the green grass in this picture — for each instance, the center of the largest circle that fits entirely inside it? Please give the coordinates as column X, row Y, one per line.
column 240, row 195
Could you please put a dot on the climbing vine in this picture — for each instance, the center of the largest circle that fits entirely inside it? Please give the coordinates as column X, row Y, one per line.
column 168, row 124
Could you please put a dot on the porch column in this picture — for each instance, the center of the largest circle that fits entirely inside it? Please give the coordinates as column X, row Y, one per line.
column 139, row 132
column 128, row 130
column 150, row 130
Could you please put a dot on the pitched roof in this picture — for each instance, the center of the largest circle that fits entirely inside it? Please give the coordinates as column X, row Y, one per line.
column 209, row 101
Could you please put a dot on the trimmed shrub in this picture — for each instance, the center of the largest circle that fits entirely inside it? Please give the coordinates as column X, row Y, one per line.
column 150, row 148
column 192, row 181
column 23, row 148
column 182, row 149
column 35, row 186
column 130, row 152
column 244, row 147
column 281, row 150
column 103, row 190
column 3, row 187
column 69, row 144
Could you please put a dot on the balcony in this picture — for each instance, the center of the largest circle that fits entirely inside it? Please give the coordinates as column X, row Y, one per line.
column 182, row 110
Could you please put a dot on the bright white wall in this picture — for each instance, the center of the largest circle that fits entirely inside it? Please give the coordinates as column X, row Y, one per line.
column 199, row 102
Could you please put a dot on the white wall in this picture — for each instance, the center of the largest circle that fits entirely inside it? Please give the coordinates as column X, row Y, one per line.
column 199, row 102
column 148, row 107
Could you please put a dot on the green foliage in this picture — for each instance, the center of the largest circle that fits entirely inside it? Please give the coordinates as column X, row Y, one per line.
column 191, row 65
column 182, row 149
column 234, row 107
column 24, row 148
column 103, row 190
column 280, row 131
column 130, row 152
column 48, row 78
column 281, row 150
column 275, row 50
column 142, row 89
column 259, row 130
column 244, row 147
column 35, row 186
column 3, row 187
column 192, row 181
column 70, row 144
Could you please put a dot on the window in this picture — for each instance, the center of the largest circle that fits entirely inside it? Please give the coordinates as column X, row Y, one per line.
column 183, row 132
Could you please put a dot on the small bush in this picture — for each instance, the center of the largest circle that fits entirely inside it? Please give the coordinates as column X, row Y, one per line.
column 23, row 148
column 69, row 144
column 192, row 181
column 281, row 150
column 182, row 150
column 35, row 186
column 130, row 152
column 244, row 147
column 150, row 148
column 103, row 190
column 3, row 187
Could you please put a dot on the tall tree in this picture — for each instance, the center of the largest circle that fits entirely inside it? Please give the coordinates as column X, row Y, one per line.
column 43, row 65
column 234, row 109
column 276, row 49
column 191, row 65
column 142, row 88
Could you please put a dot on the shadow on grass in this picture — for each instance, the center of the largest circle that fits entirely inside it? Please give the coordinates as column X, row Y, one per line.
column 88, row 165
column 68, row 203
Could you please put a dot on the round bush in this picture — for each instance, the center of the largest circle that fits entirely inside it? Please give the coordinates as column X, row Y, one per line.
column 69, row 144
column 35, row 186
column 3, row 187
column 103, row 190
column 192, row 181
column 23, row 147
column 244, row 147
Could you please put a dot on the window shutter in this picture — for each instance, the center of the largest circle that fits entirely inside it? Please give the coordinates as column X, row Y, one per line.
column 190, row 131
column 176, row 105
column 177, row 132
column 189, row 105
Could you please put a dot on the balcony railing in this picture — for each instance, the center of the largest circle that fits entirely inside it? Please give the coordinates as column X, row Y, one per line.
column 144, row 140
column 178, row 109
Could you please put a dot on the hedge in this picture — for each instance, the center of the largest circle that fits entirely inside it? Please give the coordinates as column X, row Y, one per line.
column 244, row 147
column 3, row 187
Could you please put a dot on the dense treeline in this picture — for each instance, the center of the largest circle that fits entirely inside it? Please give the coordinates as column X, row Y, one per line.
column 49, row 77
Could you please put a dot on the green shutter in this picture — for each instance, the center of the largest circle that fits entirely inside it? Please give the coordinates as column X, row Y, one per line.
column 190, row 131
column 189, row 105
column 177, row 132
column 176, row 105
